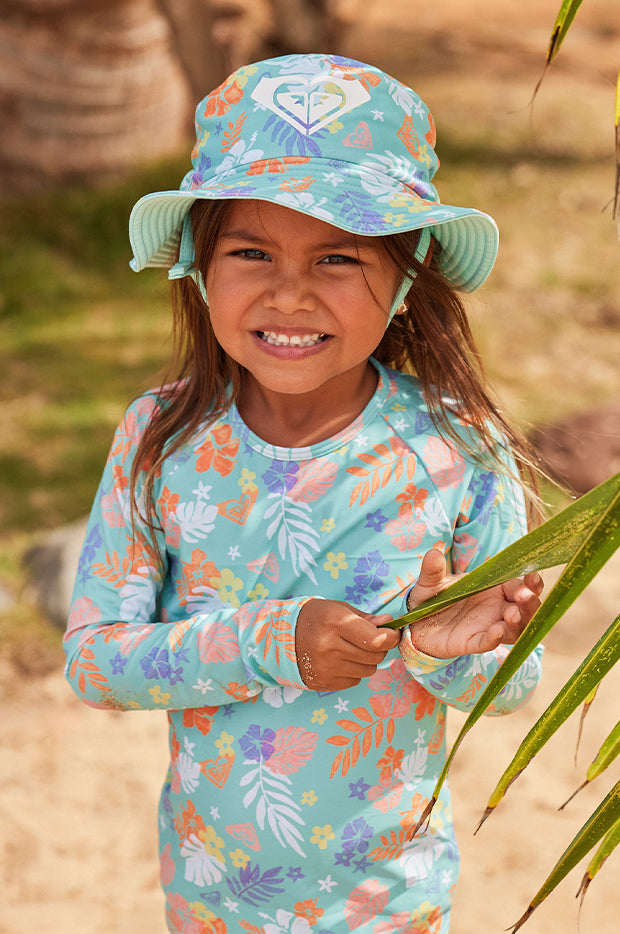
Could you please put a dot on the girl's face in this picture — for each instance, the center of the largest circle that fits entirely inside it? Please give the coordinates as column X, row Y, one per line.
column 301, row 305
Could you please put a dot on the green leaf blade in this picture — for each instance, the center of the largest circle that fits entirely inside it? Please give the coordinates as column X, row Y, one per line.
column 553, row 543
column 598, row 824
column 599, row 661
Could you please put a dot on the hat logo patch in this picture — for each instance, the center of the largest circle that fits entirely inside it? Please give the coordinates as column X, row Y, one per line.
column 360, row 137
column 309, row 103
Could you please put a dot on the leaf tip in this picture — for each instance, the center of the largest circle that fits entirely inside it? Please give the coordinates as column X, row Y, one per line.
column 521, row 920
column 487, row 813
column 424, row 817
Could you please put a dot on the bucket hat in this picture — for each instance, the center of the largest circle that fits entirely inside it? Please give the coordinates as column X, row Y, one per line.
column 330, row 137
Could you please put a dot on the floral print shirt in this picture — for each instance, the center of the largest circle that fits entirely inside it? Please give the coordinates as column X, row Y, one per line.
column 285, row 810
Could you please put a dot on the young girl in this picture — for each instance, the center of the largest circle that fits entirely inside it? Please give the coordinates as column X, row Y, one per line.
column 292, row 488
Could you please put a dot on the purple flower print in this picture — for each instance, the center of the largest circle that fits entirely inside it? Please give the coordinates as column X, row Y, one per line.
column 118, row 664
column 358, row 789
column 89, row 551
column 281, row 477
column 356, row 836
column 485, row 487
column 200, row 170
column 371, row 571
column 375, row 520
column 257, row 745
column 355, row 839
column 157, row 665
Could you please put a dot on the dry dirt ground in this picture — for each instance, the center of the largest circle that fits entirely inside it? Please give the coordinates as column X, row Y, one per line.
column 79, row 787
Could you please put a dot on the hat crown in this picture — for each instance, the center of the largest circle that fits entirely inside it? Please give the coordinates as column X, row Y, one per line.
column 275, row 115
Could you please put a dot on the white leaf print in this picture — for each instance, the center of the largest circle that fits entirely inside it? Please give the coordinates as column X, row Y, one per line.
column 138, row 598
column 195, row 520
column 434, row 517
column 200, row 867
column 413, row 766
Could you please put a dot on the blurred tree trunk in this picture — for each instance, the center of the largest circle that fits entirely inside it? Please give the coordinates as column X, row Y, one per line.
column 88, row 89
column 250, row 30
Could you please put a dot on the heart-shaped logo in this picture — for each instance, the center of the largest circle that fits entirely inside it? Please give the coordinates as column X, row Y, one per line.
column 267, row 566
column 218, row 770
column 359, row 137
column 310, row 102
column 245, row 833
column 238, row 510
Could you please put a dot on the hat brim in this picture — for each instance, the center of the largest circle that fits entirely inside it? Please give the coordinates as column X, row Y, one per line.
column 469, row 238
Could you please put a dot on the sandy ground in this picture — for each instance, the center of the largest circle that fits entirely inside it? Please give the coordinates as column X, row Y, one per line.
column 79, row 789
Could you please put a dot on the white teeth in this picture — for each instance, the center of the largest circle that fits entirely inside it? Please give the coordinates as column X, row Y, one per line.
column 294, row 340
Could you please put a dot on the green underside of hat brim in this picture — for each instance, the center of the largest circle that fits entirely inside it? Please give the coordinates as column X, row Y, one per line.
column 469, row 238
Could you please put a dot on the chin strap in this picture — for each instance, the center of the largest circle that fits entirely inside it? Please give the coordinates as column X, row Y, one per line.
column 421, row 251
column 185, row 265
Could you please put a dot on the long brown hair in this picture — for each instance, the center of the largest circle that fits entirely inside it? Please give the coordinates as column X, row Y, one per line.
column 431, row 340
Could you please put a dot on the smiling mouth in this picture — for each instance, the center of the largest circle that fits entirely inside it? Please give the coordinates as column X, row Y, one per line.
column 276, row 339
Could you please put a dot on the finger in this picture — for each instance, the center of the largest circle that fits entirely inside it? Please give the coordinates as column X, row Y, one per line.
column 522, row 589
column 368, row 636
column 432, row 578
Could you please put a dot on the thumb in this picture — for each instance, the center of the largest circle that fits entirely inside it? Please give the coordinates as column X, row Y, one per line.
column 432, row 576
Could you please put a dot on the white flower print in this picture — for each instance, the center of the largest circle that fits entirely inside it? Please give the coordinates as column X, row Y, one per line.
column 277, row 696
column 283, row 925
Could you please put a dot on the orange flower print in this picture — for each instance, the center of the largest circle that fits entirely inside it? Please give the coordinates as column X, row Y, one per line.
column 390, row 762
column 199, row 717
column 416, row 495
column 276, row 165
column 218, row 451
column 188, row 822
column 308, row 910
column 223, row 98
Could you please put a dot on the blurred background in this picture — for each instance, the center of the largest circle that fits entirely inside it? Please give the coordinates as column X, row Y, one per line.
column 96, row 106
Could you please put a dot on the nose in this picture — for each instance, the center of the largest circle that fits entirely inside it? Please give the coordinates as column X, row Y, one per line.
column 290, row 290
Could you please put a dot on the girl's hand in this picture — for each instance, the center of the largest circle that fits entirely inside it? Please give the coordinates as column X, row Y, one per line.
column 475, row 624
column 338, row 645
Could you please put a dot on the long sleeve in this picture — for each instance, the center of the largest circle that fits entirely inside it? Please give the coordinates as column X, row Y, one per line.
column 491, row 516
column 123, row 651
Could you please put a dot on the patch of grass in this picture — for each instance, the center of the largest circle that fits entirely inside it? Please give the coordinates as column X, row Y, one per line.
column 80, row 334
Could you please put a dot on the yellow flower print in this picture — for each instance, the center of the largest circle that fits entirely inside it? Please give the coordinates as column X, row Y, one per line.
column 212, row 843
column 227, row 586
column 334, row 126
column 309, row 798
column 328, row 525
column 158, row 696
column 200, row 911
column 260, row 592
column 322, row 835
column 319, row 716
column 239, row 858
column 335, row 563
column 390, row 218
column 399, row 407
column 224, row 743
column 246, row 480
